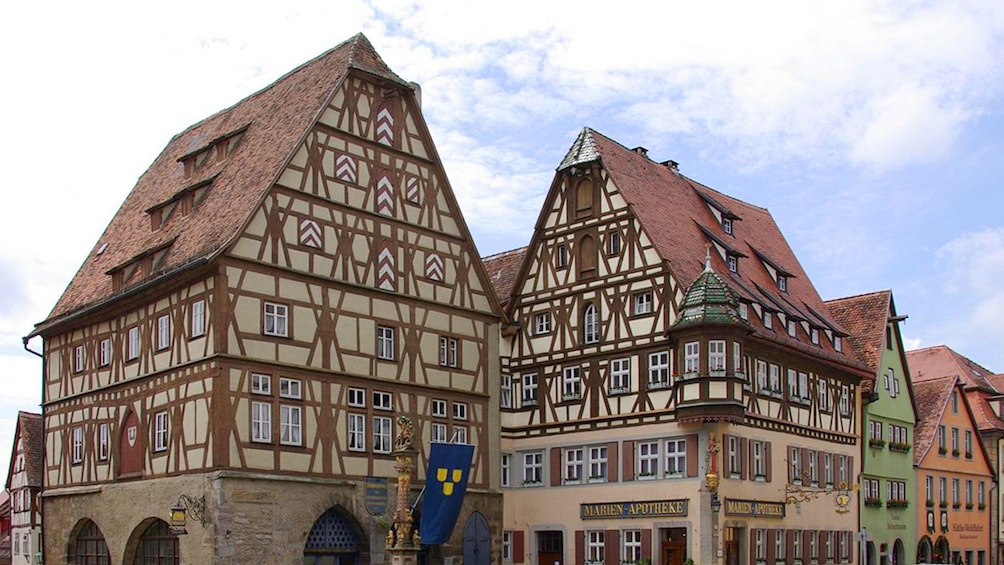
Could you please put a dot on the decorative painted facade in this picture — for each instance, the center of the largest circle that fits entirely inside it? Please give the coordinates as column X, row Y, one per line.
column 673, row 386
column 888, row 420
column 289, row 277
column 24, row 486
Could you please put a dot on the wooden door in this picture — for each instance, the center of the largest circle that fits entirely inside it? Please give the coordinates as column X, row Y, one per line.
column 131, row 446
column 477, row 541
column 732, row 546
column 550, row 550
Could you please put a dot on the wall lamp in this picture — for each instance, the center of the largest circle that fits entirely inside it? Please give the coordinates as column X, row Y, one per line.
column 185, row 505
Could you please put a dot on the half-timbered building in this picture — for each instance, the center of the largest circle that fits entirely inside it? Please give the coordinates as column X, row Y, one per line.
column 289, row 276
column 673, row 386
column 24, row 486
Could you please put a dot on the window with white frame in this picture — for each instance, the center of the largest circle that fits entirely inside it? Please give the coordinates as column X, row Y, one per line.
column 290, row 388
column 737, row 359
column 796, row 545
column 779, row 545
column 290, row 425
column 620, row 375
column 438, row 433
column 874, row 430
column 598, row 463
column 132, row 350
column 382, row 434
column 105, row 352
column 732, row 263
column 631, row 541
column 828, row 469
column 929, row 488
column 438, row 408
column 658, row 369
column 507, row 546
column 276, row 319
column 845, row 400
column 759, row 459
column 768, row 319
column 782, row 283
column 734, row 454
column 357, row 397
column 261, row 422
column 385, row 343
column 562, row 254
column 969, row 443
column 529, row 392
column 160, row 431
column 844, row 545
column 955, row 441
column 813, row 469
column 460, row 434
column 775, row 378
column 943, row 489
column 822, row 396
column 261, row 384
column 104, row 441
column 78, row 358
column 382, row 400
column 676, row 458
column 459, row 410
column 692, row 357
column 793, row 384
column 641, row 303
column 357, row 432
column 795, row 465
column 716, row 355
column 197, row 320
column 613, row 243
column 760, row 544
column 813, row 545
column 814, row 336
column 163, row 332
column 761, row 375
column 533, row 467
column 447, row 351
column 838, row 343
column 505, row 394
column 595, row 548
column 590, row 324
column 506, row 476
column 571, row 383
column 955, row 492
column 78, row 445
column 792, row 327
column 573, row 465
column 648, row 459
column 744, row 311
column 981, row 494
column 828, row 545
column 542, row 323
column 803, row 386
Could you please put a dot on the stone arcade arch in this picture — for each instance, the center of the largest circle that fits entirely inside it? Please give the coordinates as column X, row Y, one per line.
column 335, row 540
column 152, row 543
column 87, row 545
column 925, row 551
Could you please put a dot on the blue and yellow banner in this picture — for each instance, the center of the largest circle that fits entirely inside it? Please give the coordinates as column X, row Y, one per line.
column 446, row 482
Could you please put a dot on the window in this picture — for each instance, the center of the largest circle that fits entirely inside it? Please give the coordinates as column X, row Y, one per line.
column 103, row 442
column 796, row 544
column 261, row 422
column 595, row 552
column 779, row 545
column 641, row 303
column 290, row 388
column 382, row 400
column 838, row 343
column 505, row 394
column 813, row 469
column 943, row 489
column 590, row 324
column 941, row 440
column 692, row 358
column 892, row 384
column 632, row 546
column 584, row 198
column 381, row 434
column 105, row 352
column 814, row 336
column 734, row 455
column 160, row 431
column 198, row 319
column 648, row 460
column 459, row 410
column 737, row 360
column 658, row 369
column 613, row 243
column 290, row 425
column 542, row 323
column 761, row 375
column 955, row 402
column 562, row 254
column 530, row 389
column 438, row 433
column 813, row 545
column 969, row 494
column 782, row 283
column 587, row 256
column 845, row 400
column 727, row 225
column 981, row 494
column 803, row 386
column 676, row 458
column 792, row 327
column 929, row 489
column 828, row 537
column 955, row 492
column 507, row 546
column 744, row 311
column 875, row 430
column 768, row 320
column 460, row 434
column 357, row 397
column 828, row 468
column 955, row 442
column 716, row 355
column 732, row 262
column 438, row 408
column 385, row 343
column 573, row 465
column 760, row 544
column 261, row 384
column 78, row 445
column 132, row 351
column 571, row 384
column 795, row 465
column 759, row 459
column 506, row 469
column 793, row 384
column 357, row 432
column 969, row 444
column 447, row 351
column 597, row 463
column 824, row 399
column 163, row 332
column 276, row 319
column 620, row 375
column 78, row 358
column 843, row 473
column 775, row 378
column 533, row 467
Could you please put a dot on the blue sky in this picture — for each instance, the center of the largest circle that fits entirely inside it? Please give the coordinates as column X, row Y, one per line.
column 873, row 131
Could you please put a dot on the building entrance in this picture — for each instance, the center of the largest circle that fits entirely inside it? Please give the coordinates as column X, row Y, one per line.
column 732, row 549
column 550, row 550
column 674, row 546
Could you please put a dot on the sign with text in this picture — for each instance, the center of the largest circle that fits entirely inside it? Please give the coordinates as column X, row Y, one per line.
column 643, row 509
column 376, row 494
column 753, row 508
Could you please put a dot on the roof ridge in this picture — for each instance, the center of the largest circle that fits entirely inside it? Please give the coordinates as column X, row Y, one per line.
column 859, row 296
column 504, row 253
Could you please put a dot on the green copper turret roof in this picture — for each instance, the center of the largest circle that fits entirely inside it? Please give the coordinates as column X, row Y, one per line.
column 709, row 301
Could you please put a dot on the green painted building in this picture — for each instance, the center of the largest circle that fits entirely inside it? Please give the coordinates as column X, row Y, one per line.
column 888, row 416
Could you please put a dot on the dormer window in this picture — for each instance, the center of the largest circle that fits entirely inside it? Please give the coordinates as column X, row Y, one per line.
column 838, row 343
column 744, row 311
column 733, row 263
column 782, row 283
column 791, row 327
column 727, row 225
column 768, row 320
column 814, row 336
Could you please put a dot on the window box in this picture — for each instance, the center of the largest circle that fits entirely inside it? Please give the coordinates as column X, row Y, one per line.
column 672, row 475
column 900, row 447
column 982, row 506
column 897, row 504
column 689, row 375
column 930, row 504
column 942, row 451
column 955, row 453
column 874, row 502
column 619, row 390
column 969, row 455
column 531, row 483
column 969, row 506
column 717, row 373
column 646, row 476
column 876, row 443
column 943, row 504
column 956, row 506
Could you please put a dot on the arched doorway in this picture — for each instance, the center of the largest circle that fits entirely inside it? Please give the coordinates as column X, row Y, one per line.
column 898, row 552
column 477, row 541
column 152, row 543
column 334, row 540
column 87, row 545
column 925, row 551
column 870, row 553
column 942, row 551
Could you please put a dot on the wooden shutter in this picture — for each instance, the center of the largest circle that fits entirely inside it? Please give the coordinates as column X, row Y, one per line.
column 692, row 455
column 804, row 454
column 555, row 466
column 726, row 470
column 627, row 467
column 752, row 545
column 789, row 546
column 768, row 462
column 850, row 471
column 612, row 462
column 611, row 546
column 580, row 546
column 820, row 472
column 806, row 535
column 745, row 459
column 517, row 546
column 771, row 553
column 646, row 544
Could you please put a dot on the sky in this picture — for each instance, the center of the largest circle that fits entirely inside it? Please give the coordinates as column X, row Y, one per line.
column 873, row 131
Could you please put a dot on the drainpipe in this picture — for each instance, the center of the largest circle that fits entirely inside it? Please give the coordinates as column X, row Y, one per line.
column 40, row 554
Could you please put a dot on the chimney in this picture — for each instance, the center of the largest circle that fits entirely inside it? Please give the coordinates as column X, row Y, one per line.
column 671, row 165
column 641, row 151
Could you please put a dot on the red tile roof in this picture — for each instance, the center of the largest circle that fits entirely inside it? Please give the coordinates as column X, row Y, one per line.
column 503, row 269
column 29, row 431
column 276, row 118
column 932, row 397
column 940, row 361
column 865, row 317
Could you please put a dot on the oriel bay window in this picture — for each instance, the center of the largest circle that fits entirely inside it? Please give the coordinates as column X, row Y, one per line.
column 716, row 357
column 691, row 358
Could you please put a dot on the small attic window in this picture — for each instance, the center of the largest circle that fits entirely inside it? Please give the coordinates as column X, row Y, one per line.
column 792, row 327
column 814, row 336
column 727, row 225
column 838, row 343
column 782, row 283
column 768, row 320
column 744, row 311
column 733, row 263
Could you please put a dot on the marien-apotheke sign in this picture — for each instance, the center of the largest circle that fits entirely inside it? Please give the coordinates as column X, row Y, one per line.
column 633, row 509
column 753, row 508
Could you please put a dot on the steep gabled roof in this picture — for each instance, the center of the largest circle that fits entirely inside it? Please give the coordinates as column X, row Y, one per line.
column 940, row 361
column 676, row 214
column 271, row 123
column 503, row 269
column 932, row 397
column 29, row 431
